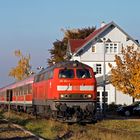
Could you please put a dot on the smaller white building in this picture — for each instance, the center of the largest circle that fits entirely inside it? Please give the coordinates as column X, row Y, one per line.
column 103, row 44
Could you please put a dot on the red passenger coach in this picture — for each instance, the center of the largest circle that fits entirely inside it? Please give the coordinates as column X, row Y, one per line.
column 67, row 90
column 18, row 95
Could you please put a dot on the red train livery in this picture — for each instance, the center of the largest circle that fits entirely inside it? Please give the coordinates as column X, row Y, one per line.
column 66, row 91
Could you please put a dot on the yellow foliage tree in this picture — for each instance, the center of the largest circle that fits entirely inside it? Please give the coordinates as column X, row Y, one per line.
column 22, row 70
column 125, row 76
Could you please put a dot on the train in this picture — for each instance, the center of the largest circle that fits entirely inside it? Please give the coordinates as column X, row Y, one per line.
column 65, row 91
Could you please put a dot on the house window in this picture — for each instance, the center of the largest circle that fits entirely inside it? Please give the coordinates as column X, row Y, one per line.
column 107, row 49
column 98, row 68
column 115, row 49
column 111, row 47
column 93, row 48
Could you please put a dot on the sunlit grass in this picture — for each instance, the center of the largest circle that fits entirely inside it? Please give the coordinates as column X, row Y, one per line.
column 47, row 128
column 51, row 129
column 128, row 125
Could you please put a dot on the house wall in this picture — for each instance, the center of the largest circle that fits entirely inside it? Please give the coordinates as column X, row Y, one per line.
column 114, row 35
column 123, row 98
column 92, row 58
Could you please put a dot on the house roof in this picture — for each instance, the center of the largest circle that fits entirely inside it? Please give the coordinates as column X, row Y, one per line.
column 75, row 45
column 94, row 33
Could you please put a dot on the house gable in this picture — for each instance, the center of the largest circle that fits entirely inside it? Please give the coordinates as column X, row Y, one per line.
column 79, row 47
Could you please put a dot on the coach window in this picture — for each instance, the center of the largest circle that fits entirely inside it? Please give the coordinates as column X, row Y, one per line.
column 15, row 92
column 29, row 89
column 21, row 91
column 46, row 75
column 66, row 73
column 41, row 78
column 37, row 78
column 83, row 73
column 24, row 89
column 50, row 74
column 18, row 91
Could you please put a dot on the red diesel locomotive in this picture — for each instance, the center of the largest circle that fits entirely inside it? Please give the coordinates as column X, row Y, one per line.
column 65, row 91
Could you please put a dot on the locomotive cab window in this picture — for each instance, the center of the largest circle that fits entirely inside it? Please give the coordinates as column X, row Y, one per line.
column 66, row 73
column 83, row 73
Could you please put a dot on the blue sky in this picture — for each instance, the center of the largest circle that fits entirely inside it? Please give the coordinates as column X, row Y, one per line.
column 33, row 25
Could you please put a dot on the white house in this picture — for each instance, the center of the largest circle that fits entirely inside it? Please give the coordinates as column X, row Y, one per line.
column 109, row 38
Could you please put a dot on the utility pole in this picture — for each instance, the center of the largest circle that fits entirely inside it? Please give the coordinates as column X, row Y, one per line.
column 104, row 78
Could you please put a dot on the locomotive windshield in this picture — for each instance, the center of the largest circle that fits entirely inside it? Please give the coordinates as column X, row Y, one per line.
column 66, row 73
column 83, row 73
column 69, row 73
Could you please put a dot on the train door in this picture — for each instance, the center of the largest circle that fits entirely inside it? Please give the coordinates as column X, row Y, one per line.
column 9, row 95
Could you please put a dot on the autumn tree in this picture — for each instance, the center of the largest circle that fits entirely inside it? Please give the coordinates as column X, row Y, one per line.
column 125, row 76
column 59, row 46
column 23, row 68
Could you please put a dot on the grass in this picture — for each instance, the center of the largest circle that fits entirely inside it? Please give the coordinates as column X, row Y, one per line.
column 125, row 125
column 47, row 128
column 52, row 130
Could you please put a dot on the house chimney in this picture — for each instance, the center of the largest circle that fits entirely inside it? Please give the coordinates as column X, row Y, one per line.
column 102, row 24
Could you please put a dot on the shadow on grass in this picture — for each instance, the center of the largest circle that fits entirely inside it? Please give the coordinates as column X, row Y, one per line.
column 20, row 122
column 66, row 136
column 1, row 114
column 22, row 138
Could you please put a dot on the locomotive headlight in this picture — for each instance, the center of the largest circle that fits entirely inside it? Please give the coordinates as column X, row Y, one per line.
column 62, row 96
column 89, row 96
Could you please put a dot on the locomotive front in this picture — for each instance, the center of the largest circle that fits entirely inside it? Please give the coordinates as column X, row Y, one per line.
column 75, row 94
